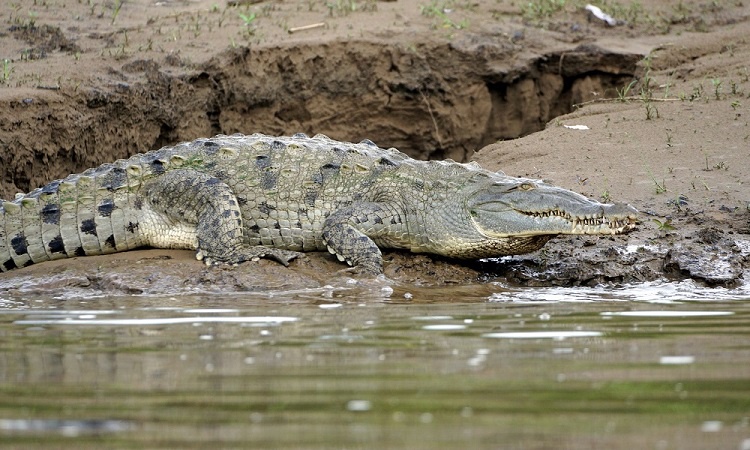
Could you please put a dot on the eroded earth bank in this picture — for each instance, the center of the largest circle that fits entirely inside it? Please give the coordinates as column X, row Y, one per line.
column 652, row 111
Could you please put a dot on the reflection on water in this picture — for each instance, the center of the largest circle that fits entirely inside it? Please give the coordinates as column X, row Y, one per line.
column 538, row 368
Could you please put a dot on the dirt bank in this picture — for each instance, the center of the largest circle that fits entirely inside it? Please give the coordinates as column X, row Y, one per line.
column 83, row 84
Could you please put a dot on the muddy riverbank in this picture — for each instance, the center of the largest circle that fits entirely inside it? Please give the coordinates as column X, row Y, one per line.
column 661, row 120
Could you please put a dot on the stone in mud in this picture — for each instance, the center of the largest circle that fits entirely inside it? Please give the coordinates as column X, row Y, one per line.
column 714, row 259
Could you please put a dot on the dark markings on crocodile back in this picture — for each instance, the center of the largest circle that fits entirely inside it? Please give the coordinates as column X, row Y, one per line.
column 110, row 241
column 19, row 244
column 116, row 178
column 51, row 214
column 387, row 162
column 88, row 226
column 106, row 207
column 262, row 161
column 268, row 176
column 157, row 166
column 10, row 264
column 56, row 245
column 79, row 251
column 265, row 208
column 211, row 147
column 268, row 179
column 132, row 227
column 51, row 188
column 310, row 196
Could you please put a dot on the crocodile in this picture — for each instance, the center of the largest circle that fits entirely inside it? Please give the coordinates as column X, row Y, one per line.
column 243, row 197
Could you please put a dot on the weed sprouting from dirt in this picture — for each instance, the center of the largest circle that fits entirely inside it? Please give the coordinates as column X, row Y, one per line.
column 543, row 9
column 440, row 10
column 116, row 10
column 7, row 71
column 717, row 87
column 664, row 226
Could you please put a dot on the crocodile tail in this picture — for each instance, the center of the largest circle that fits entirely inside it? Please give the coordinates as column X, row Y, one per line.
column 81, row 215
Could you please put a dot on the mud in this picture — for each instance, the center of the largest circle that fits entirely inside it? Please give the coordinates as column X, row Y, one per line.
column 665, row 98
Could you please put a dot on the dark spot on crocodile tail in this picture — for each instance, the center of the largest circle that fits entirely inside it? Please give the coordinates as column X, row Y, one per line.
column 254, row 228
column 213, row 181
column 106, row 207
column 88, row 226
column 28, row 263
column 51, row 214
column 378, row 220
column 132, row 226
column 110, row 241
column 9, row 264
column 79, row 252
column 19, row 244
column 242, row 201
column 56, row 245
column 262, row 161
column 277, row 145
column 226, row 214
column 310, row 196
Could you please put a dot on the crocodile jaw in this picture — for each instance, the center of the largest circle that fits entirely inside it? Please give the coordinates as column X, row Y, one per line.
column 524, row 208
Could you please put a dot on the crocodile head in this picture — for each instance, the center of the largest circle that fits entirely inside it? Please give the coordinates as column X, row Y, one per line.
column 515, row 215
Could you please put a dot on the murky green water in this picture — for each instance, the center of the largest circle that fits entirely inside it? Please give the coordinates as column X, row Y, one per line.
column 426, row 369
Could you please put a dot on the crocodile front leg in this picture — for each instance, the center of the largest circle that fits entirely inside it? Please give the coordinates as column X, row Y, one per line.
column 351, row 234
column 190, row 209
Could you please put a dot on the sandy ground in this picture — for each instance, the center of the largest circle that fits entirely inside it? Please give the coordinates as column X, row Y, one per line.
column 663, row 96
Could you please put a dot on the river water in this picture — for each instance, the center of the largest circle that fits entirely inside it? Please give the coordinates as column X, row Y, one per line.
column 658, row 366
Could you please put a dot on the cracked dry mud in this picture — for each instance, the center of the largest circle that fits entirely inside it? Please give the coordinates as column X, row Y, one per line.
column 85, row 84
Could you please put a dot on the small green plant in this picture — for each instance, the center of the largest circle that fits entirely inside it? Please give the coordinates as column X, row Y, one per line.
column 651, row 111
column 622, row 94
column 717, row 87
column 7, row 71
column 440, row 10
column 542, row 9
column 248, row 18
column 116, row 11
column 664, row 226
column 660, row 187
column 735, row 104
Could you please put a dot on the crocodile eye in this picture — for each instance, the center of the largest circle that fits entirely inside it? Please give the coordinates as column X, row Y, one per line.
column 527, row 186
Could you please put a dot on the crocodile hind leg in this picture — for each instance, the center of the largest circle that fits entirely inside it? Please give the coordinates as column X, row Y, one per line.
column 191, row 209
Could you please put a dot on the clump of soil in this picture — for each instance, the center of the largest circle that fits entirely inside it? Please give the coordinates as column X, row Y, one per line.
column 663, row 97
